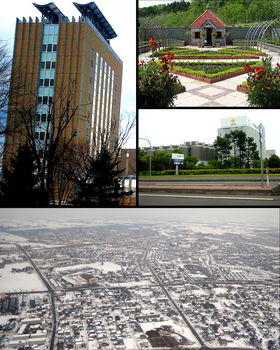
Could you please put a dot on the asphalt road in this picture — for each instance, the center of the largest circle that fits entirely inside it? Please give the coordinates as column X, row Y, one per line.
column 186, row 200
column 211, row 181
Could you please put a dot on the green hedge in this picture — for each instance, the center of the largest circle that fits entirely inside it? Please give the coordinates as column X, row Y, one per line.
column 214, row 75
column 211, row 172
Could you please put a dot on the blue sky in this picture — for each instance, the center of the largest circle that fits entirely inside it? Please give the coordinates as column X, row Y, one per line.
column 121, row 14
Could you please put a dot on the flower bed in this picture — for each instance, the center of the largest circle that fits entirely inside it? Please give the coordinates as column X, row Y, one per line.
column 231, row 53
column 211, row 72
column 208, row 80
column 263, row 84
column 157, row 88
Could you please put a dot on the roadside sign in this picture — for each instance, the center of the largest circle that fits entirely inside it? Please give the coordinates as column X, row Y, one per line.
column 177, row 159
column 261, row 129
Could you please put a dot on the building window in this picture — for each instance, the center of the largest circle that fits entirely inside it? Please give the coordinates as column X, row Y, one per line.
column 219, row 35
column 43, row 65
column 44, row 48
column 41, row 82
column 49, row 49
column 36, row 135
column 197, row 35
column 42, row 136
column 51, row 82
column 45, row 100
column 47, row 82
column 53, row 65
column 54, row 47
column 48, row 65
column 43, row 118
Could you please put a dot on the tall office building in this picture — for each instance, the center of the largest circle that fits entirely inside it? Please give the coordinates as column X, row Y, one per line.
column 57, row 60
column 246, row 125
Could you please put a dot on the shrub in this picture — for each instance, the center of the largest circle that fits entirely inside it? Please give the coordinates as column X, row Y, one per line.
column 256, row 171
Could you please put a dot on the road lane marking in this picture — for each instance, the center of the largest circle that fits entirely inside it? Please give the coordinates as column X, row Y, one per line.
column 206, row 197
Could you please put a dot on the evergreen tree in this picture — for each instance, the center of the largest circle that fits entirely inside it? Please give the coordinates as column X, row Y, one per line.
column 19, row 186
column 252, row 153
column 100, row 185
column 244, row 150
column 223, row 147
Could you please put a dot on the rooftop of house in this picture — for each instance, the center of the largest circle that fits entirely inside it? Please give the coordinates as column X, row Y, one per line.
column 208, row 15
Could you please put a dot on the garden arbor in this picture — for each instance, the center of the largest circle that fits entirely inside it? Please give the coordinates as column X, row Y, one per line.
column 149, row 29
column 264, row 30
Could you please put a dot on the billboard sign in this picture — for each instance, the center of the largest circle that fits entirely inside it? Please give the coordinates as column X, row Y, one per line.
column 177, row 159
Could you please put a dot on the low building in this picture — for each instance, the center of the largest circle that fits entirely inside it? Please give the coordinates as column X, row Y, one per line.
column 208, row 29
column 204, row 152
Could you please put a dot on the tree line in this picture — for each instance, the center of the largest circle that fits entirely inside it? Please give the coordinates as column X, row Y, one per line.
column 48, row 162
column 236, row 150
column 233, row 151
column 232, row 12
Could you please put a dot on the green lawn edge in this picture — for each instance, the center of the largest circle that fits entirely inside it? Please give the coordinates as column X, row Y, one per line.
column 205, row 175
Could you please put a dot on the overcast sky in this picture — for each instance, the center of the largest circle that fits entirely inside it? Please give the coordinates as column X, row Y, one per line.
column 121, row 14
column 176, row 126
column 147, row 3
column 41, row 217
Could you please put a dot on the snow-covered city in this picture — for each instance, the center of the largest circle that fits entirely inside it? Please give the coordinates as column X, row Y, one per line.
column 135, row 284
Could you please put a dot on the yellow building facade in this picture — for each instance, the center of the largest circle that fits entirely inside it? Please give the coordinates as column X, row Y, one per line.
column 57, row 60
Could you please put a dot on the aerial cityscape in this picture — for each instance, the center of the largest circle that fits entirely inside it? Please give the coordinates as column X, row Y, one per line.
column 144, row 278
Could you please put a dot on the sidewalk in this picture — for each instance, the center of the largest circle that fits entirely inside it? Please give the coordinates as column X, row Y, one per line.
column 220, row 94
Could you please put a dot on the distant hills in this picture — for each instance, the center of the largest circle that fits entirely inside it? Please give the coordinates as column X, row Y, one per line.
column 180, row 14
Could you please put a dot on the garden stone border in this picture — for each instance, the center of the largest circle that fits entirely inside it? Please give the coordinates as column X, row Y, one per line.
column 181, row 89
column 242, row 89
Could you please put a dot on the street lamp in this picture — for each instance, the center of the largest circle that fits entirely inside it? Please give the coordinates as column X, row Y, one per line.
column 261, row 135
column 150, row 154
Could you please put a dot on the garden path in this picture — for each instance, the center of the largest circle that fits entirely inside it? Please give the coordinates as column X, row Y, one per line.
column 220, row 94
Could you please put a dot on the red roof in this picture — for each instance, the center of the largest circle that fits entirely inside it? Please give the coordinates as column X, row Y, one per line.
column 204, row 17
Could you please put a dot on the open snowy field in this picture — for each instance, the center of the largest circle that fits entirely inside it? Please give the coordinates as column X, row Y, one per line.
column 19, row 282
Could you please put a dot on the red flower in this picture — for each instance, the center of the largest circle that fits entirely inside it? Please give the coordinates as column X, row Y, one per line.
column 260, row 71
column 247, row 68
